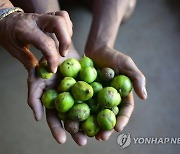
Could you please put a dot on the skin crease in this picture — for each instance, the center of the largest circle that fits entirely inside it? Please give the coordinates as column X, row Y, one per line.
column 100, row 45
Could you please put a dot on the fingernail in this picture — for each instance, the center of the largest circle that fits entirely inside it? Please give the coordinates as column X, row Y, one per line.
column 65, row 53
column 35, row 116
column 121, row 129
column 55, row 70
column 145, row 92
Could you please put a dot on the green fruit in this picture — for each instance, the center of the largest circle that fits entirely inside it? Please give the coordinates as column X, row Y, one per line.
column 93, row 104
column 71, row 126
column 48, row 98
column 43, row 71
column 62, row 116
column 82, row 91
column 96, row 87
column 123, row 85
column 86, row 61
column 106, row 119
column 64, row 102
column 90, row 126
column 66, row 84
column 70, row 67
column 88, row 74
column 107, row 74
column 115, row 110
column 79, row 112
column 108, row 97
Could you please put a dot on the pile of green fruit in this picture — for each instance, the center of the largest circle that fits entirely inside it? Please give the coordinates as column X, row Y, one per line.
column 86, row 99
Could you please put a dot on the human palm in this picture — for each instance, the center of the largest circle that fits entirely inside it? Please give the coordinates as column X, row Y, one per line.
column 36, row 86
column 122, row 64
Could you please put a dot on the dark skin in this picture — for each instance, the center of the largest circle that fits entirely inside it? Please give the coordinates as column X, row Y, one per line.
column 99, row 47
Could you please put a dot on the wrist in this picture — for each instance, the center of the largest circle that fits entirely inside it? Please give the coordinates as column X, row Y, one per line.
column 8, row 11
column 92, row 48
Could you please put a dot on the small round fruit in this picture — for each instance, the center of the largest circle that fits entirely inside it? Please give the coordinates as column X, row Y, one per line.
column 48, row 98
column 123, row 85
column 88, row 74
column 86, row 61
column 90, row 126
column 115, row 110
column 96, row 87
column 43, row 71
column 107, row 74
column 106, row 119
column 82, row 91
column 79, row 112
column 93, row 105
column 108, row 97
column 64, row 102
column 70, row 67
column 62, row 116
column 71, row 126
column 66, row 84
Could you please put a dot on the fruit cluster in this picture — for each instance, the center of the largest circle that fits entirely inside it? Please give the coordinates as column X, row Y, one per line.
column 86, row 99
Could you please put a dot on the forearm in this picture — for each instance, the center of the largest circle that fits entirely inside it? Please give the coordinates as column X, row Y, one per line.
column 38, row 6
column 5, row 4
column 107, row 16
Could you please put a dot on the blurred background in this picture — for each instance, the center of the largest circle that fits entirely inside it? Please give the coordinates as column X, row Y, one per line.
column 152, row 38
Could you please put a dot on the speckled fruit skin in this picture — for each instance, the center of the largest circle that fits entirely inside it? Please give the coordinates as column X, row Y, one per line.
column 106, row 119
column 43, row 71
column 48, row 98
column 71, row 126
column 86, row 61
column 90, row 126
column 82, row 91
column 70, row 67
column 66, row 84
column 96, row 87
column 64, row 102
column 107, row 74
column 79, row 112
column 123, row 85
column 108, row 97
column 88, row 74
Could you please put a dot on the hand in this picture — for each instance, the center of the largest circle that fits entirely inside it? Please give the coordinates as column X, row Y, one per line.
column 18, row 30
column 105, row 56
column 36, row 86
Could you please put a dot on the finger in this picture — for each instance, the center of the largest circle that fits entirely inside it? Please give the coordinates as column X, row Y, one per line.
column 126, row 109
column 55, row 126
column 65, row 15
column 104, row 135
column 129, row 68
column 35, row 90
column 57, row 25
column 80, row 138
column 42, row 42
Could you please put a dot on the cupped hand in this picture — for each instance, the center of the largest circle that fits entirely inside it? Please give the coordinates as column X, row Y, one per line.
column 36, row 87
column 19, row 30
column 104, row 56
